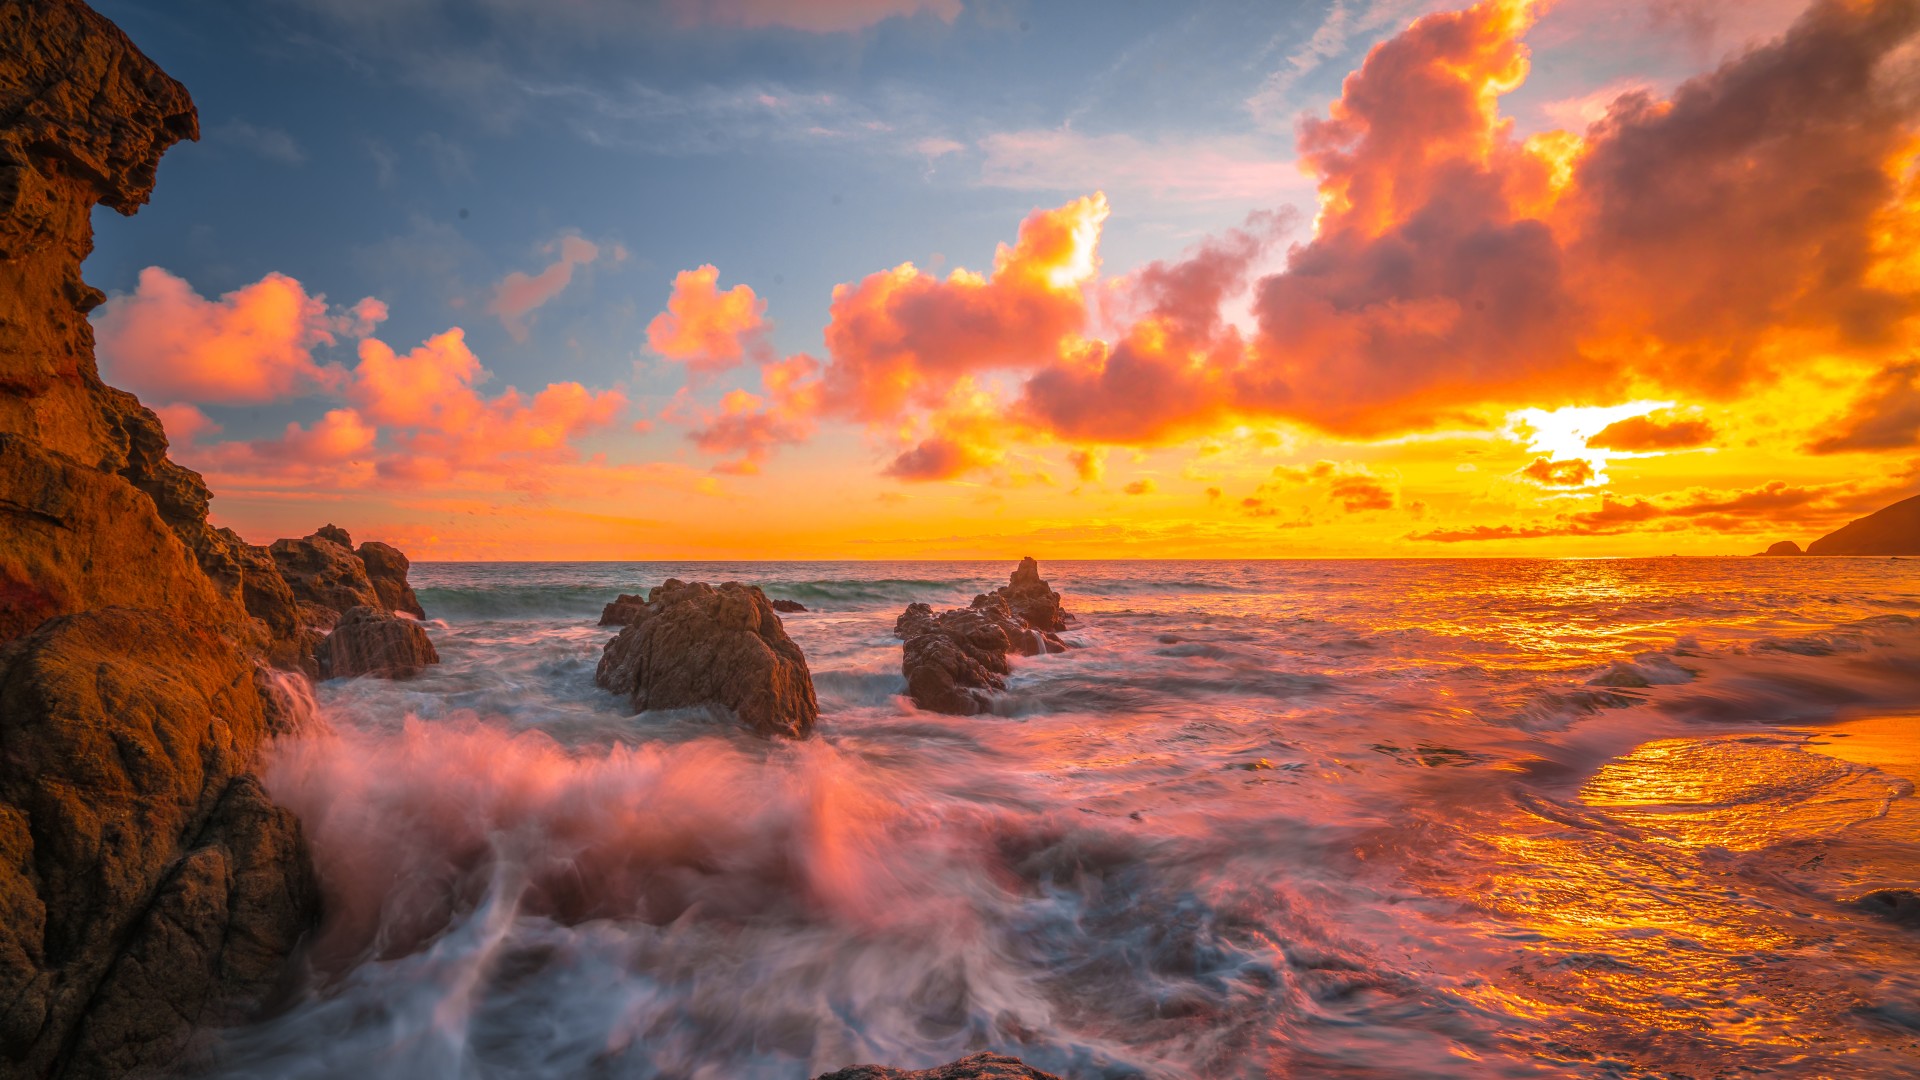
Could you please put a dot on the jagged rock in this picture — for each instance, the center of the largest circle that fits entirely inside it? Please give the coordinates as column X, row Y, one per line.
column 788, row 606
column 977, row 1067
column 386, row 568
column 954, row 660
column 146, row 884
column 335, row 533
column 1784, row 547
column 1032, row 600
column 692, row 645
column 624, row 609
column 1891, row 530
column 367, row 641
column 324, row 572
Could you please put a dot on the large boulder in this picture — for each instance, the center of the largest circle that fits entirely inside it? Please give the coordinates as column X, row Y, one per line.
column 324, row 572
column 977, row 1067
column 147, row 885
column 367, row 641
column 386, row 568
column 694, row 644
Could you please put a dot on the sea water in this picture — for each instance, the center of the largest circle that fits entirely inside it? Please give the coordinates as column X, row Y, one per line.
column 1320, row 818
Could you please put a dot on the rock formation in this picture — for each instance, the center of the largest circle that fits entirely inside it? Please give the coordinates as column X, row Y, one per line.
column 367, row 641
column 977, row 1067
column 625, row 608
column 954, row 660
column 386, row 569
column 1892, row 530
column 148, row 886
column 788, row 607
column 325, row 575
column 692, row 644
column 1784, row 547
column 1032, row 600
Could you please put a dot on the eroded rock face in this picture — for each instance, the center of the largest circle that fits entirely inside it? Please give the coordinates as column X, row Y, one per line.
column 977, row 1067
column 324, row 572
column 367, row 641
column 953, row 661
column 386, row 569
column 694, row 644
column 146, row 883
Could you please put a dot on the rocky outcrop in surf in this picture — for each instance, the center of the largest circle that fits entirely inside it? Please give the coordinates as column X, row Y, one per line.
column 1784, row 547
column 694, row 645
column 789, row 607
column 368, row 641
column 623, row 610
column 955, row 660
column 149, row 888
column 977, row 1067
column 386, row 568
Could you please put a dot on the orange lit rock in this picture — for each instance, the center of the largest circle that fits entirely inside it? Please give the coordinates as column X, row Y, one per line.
column 367, row 641
column 977, row 1067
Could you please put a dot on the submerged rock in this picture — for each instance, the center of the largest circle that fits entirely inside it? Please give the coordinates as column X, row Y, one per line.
column 954, row 660
column 1901, row 906
column 367, row 641
column 788, row 606
column 977, row 1067
column 692, row 644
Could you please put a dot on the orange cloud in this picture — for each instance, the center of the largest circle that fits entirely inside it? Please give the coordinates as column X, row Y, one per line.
column 1766, row 508
column 1571, row 473
column 746, row 427
column 1886, row 415
column 1652, row 432
column 166, row 342
column 518, row 295
column 902, row 337
column 706, row 329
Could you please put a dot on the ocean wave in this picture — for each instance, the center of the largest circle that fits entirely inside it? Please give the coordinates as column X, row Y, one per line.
column 513, row 601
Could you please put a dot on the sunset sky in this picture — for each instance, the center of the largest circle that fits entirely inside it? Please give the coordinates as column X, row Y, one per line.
column 603, row 279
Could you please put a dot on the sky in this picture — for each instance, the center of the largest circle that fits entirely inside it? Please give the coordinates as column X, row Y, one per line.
column 737, row 279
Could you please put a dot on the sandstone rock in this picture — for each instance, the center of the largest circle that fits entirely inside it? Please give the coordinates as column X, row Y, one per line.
column 367, row 641
column 145, row 881
column 976, row 1067
column 1032, row 600
column 324, row 572
column 386, row 569
column 692, row 644
column 1891, row 530
column 788, row 606
column 335, row 533
column 624, row 609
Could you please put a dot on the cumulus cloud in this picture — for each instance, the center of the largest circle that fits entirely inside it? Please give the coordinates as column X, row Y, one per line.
column 746, row 427
column 254, row 345
column 1654, row 431
column 1144, row 486
column 518, row 294
column 707, row 329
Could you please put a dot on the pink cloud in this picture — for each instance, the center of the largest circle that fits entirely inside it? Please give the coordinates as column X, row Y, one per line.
column 706, row 329
column 254, row 345
column 518, row 295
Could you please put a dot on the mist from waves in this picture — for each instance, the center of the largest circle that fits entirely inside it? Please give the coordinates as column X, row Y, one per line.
column 1305, row 818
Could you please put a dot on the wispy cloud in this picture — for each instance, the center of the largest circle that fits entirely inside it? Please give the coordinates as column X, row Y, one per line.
column 267, row 142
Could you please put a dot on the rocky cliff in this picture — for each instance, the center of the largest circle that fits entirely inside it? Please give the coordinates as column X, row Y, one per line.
column 1893, row 530
column 149, row 888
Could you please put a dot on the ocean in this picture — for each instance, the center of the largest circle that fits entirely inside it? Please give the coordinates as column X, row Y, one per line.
column 1306, row 818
